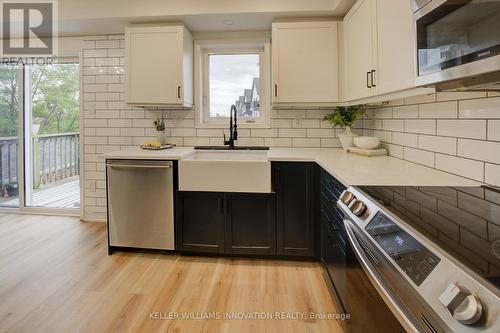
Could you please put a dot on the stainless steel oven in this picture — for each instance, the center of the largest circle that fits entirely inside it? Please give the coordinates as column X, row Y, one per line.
column 425, row 251
column 456, row 39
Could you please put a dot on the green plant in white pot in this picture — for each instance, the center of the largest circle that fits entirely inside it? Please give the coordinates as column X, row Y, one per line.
column 344, row 117
column 159, row 123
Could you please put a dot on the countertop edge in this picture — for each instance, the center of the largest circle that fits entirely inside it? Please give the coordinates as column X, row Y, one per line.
column 330, row 162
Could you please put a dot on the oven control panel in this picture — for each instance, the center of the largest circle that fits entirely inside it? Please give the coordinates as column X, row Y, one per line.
column 412, row 257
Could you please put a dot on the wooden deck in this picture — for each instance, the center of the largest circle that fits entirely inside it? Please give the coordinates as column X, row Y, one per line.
column 63, row 194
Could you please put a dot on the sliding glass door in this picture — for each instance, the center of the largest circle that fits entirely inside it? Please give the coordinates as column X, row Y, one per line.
column 39, row 136
column 52, row 159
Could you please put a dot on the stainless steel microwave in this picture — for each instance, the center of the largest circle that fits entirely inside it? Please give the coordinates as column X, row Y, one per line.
column 457, row 41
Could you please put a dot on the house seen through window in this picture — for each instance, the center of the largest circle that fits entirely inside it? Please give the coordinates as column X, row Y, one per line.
column 234, row 79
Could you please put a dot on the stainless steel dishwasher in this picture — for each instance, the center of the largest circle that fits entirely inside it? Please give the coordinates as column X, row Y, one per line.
column 140, row 204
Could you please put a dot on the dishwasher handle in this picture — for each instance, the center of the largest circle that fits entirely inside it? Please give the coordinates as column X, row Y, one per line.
column 139, row 166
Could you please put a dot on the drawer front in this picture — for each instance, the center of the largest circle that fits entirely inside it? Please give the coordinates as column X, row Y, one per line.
column 331, row 184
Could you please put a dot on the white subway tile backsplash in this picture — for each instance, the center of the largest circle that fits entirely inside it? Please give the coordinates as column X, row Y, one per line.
column 419, row 156
column 492, row 174
column 461, row 166
column 320, row 133
column 393, row 150
column 317, row 114
column 291, row 114
column 132, row 131
column 406, row 111
column 197, row 141
column 405, row 139
column 384, row 136
column 291, row 133
column 480, row 108
column 494, row 130
column 278, row 142
column 186, row 131
column 393, row 125
column 383, row 113
column 426, row 126
column 438, row 144
column 306, row 123
column 439, row 110
column 107, row 44
column 265, row 133
column 281, row 123
column 474, row 129
column 479, row 150
column 330, row 143
column 302, row 142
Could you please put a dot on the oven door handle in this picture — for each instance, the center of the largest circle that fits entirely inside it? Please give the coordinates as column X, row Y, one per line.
column 361, row 250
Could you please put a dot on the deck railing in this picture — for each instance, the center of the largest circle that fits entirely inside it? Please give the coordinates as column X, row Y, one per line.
column 55, row 157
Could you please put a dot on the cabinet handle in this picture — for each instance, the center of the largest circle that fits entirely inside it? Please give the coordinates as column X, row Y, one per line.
column 368, row 85
column 275, row 90
column 179, row 92
column 373, row 77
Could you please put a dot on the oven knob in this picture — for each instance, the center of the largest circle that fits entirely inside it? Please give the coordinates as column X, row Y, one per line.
column 462, row 304
column 358, row 208
column 347, row 197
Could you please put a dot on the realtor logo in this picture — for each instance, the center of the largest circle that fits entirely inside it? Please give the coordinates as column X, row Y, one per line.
column 29, row 28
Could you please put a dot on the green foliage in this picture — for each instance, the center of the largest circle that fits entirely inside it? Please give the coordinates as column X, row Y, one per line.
column 8, row 100
column 344, row 116
column 54, row 94
column 160, row 123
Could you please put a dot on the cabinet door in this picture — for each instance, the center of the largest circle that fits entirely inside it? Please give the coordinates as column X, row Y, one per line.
column 358, row 41
column 200, row 222
column 305, row 62
column 294, row 184
column 251, row 224
column 154, row 63
column 395, row 63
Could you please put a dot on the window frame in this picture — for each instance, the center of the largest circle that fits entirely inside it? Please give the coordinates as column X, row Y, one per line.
column 203, row 49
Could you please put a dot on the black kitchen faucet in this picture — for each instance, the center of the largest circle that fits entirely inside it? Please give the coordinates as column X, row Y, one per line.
column 233, row 128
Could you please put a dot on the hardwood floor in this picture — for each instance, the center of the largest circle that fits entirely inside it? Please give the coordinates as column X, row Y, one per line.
column 55, row 276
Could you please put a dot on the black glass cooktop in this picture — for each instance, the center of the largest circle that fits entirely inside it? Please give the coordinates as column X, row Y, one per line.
column 463, row 221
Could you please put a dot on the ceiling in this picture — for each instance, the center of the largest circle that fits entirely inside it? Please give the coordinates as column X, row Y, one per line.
column 88, row 17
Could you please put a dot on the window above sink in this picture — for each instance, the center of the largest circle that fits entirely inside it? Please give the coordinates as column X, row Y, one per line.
column 232, row 72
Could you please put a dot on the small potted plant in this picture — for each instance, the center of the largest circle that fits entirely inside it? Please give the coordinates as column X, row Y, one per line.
column 159, row 123
column 12, row 190
column 344, row 117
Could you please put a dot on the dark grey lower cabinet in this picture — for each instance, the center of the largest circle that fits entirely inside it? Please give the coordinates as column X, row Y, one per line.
column 296, row 209
column 230, row 223
column 200, row 222
column 251, row 224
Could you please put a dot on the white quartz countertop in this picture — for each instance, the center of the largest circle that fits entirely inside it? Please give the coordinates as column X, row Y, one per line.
column 348, row 168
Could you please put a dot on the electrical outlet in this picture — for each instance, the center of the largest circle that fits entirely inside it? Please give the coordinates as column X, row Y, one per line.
column 297, row 122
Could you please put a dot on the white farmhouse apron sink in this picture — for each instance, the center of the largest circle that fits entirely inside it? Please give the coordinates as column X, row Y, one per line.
column 226, row 171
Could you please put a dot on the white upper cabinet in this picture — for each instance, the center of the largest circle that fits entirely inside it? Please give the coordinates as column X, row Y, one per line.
column 395, row 49
column 378, row 54
column 159, row 66
column 359, row 55
column 305, row 62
